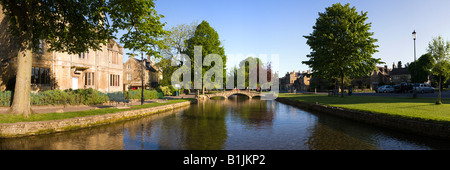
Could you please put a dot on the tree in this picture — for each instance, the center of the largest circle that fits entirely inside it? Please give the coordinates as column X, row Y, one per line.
column 420, row 70
column 66, row 26
column 206, row 37
column 144, row 28
column 399, row 64
column 341, row 44
column 74, row 27
column 175, row 41
column 440, row 52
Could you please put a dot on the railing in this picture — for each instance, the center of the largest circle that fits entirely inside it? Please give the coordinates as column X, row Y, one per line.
column 5, row 98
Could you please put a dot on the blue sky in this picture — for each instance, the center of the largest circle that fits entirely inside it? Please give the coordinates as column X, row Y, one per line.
column 278, row 26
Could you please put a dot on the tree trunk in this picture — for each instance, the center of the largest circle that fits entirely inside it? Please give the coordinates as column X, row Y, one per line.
column 342, row 85
column 21, row 98
column 439, row 94
column 142, row 78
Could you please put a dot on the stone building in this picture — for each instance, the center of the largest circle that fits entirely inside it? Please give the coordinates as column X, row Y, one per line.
column 100, row 70
column 295, row 81
column 132, row 74
column 400, row 75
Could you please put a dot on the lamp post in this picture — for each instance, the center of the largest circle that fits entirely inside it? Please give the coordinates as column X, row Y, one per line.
column 414, row 35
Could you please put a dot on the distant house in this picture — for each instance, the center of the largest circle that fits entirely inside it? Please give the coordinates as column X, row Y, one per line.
column 400, row 75
column 132, row 74
column 379, row 77
column 295, row 81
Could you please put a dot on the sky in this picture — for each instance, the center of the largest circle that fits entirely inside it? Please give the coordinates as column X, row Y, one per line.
column 254, row 27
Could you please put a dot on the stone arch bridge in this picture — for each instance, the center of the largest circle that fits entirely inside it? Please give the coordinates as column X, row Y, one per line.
column 226, row 94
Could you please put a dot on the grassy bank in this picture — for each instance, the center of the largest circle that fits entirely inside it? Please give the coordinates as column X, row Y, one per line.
column 423, row 108
column 67, row 115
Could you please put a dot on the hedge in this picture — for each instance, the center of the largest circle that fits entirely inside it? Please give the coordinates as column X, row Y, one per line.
column 59, row 97
column 148, row 94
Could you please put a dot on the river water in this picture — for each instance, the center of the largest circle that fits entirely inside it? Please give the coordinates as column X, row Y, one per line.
column 233, row 124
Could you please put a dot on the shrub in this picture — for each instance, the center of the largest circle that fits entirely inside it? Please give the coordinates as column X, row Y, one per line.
column 148, row 94
column 69, row 97
column 59, row 97
column 166, row 90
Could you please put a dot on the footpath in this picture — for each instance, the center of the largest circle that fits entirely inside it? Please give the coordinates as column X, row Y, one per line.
column 62, row 109
column 19, row 129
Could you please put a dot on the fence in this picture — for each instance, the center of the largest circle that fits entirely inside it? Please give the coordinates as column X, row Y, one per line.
column 5, row 98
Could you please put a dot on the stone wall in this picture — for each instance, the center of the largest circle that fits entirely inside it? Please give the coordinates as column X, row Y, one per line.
column 8, row 130
column 428, row 128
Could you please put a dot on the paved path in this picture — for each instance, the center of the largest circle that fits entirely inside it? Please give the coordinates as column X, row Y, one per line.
column 52, row 109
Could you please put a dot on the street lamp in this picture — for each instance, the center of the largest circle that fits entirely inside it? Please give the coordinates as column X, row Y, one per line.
column 414, row 35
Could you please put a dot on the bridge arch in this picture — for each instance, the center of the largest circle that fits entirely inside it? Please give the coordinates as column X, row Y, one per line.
column 227, row 94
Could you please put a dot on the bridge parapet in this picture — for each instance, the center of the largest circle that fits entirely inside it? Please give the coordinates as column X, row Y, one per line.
column 227, row 94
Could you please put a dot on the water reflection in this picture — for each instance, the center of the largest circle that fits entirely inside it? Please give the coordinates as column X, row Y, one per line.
column 235, row 123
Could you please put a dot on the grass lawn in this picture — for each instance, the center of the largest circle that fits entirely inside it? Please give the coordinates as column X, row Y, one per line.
column 67, row 115
column 423, row 108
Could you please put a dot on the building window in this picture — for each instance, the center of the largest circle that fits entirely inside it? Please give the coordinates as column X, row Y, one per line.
column 82, row 55
column 40, row 75
column 114, row 58
column 129, row 77
column 128, row 66
column 41, row 46
column 114, row 80
column 89, row 79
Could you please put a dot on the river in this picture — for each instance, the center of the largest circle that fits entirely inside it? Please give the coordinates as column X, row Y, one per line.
column 233, row 124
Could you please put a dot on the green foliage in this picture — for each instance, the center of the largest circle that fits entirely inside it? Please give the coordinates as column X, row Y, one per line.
column 68, row 97
column 58, row 23
column 420, row 70
column 208, row 38
column 341, row 44
column 440, row 52
column 166, row 90
column 142, row 23
column 167, row 70
column 148, row 94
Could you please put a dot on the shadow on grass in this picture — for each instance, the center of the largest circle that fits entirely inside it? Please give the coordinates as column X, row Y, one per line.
column 360, row 99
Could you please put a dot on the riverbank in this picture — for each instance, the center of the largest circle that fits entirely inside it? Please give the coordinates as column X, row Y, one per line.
column 58, row 122
column 372, row 111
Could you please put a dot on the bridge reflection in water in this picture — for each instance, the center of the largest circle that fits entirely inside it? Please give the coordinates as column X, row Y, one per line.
column 235, row 123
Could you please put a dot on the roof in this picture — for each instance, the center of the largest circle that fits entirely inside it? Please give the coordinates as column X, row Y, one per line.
column 148, row 66
column 399, row 71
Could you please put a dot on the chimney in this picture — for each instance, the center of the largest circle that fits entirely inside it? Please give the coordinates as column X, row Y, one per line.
column 309, row 71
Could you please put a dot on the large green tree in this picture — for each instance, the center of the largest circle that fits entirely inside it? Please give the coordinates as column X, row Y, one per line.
column 341, row 44
column 440, row 52
column 66, row 26
column 144, row 29
column 206, row 37
column 75, row 27
column 420, row 70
